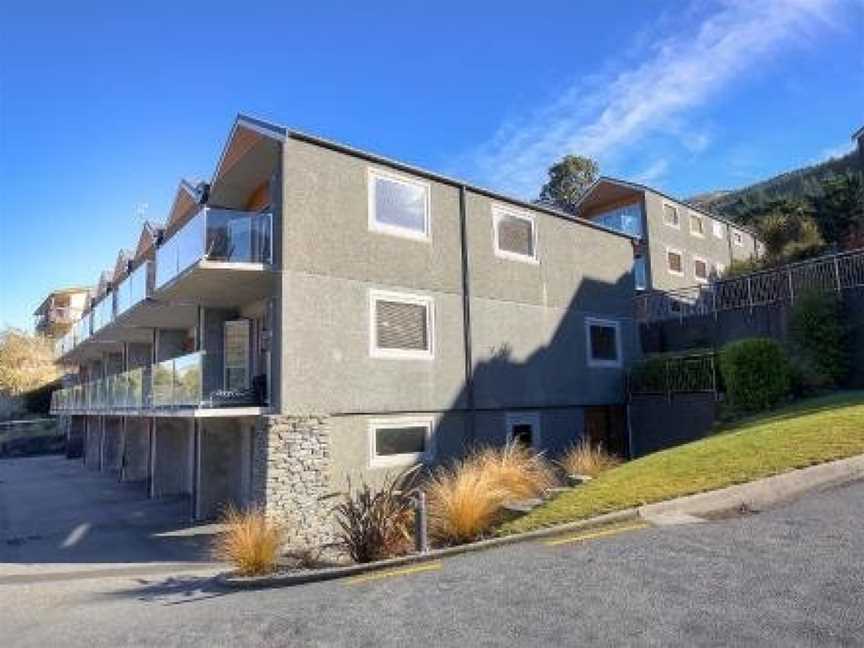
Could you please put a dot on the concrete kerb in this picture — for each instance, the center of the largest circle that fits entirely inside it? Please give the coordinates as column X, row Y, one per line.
column 757, row 494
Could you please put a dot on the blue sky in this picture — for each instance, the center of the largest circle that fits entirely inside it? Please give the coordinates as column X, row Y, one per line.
column 105, row 106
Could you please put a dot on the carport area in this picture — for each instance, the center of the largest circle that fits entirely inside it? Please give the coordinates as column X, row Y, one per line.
column 54, row 511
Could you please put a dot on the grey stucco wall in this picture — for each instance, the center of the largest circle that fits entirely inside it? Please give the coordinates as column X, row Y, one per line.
column 172, row 470
column 138, row 355
column 661, row 236
column 136, row 452
column 170, row 343
column 220, row 475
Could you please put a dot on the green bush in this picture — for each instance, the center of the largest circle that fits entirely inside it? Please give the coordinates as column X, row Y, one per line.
column 817, row 342
column 756, row 373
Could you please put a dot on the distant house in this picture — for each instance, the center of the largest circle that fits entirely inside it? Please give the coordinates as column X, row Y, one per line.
column 679, row 244
column 59, row 311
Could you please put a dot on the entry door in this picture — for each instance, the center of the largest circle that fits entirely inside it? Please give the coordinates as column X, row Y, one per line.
column 236, row 345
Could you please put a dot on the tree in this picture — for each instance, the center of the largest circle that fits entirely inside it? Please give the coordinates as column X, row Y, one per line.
column 840, row 207
column 26, row 362
column 568, row 180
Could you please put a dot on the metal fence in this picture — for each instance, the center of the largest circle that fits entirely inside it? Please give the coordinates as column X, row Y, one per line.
column 674, row 375
column 835, row 272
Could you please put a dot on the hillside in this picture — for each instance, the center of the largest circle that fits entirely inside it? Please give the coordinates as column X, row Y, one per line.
column 800, row 184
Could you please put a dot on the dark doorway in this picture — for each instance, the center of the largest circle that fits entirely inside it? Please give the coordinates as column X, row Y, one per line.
column 607, row 425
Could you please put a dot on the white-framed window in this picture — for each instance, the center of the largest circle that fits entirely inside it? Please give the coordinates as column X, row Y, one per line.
column 675, row 261
column 524, row 428
column 401, row 325
column 697, row 225
column 700, row 269
column 399, row 205
column 717, row 227
column 670, row 215
column 737, row 238
column 514, row 234
column 603, row 342
column 400, row 441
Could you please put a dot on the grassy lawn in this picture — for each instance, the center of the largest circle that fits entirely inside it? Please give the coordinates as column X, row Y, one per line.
column 809, row 432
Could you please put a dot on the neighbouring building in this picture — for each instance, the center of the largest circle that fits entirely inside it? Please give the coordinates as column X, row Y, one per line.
column 316, row 311
column 679, row 245
column 59, row 311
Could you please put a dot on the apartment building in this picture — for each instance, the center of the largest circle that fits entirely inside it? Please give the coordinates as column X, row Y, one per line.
column 59, row 311
column 316, row 311
column 680, row 245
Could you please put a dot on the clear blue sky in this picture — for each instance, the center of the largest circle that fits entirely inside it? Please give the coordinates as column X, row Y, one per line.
column 105, row 106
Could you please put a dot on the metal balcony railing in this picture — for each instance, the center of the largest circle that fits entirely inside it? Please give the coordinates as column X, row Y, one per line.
column 836, row 272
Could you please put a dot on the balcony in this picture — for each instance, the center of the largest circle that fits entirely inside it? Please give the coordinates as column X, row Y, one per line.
column 103, row 312
column 135, row 288
column 218, row 239
column 189, row 382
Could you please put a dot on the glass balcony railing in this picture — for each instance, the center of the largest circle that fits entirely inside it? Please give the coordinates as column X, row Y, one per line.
column 135, row 288
column 103, row 312
column 194, row 380
column 627, row 219
column 216, row 235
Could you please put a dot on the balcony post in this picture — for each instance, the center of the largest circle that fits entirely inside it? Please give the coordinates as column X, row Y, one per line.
column 837, row 275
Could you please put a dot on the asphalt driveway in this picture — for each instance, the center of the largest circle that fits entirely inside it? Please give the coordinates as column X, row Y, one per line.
column 793, row 576
column 55, row 512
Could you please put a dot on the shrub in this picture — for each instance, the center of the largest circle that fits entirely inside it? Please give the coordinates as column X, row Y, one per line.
column 516, row 469
column 375, row 523
column 585, row 458
column 817, row 341
column 756, row 373
column 251, row 542
column 464, row 502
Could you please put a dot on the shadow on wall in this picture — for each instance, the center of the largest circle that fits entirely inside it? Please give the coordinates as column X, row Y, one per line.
column 550, row 396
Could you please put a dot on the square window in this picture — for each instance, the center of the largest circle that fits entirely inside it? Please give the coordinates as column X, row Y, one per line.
column 717, row 226
column 675, row 262
column 514, row 234
column 700, row 269
column 401, row 325
column 670, row 215
column 524, row 429
column 604, row 343
column 697, row 226
column 398, row 205
column 403, row 441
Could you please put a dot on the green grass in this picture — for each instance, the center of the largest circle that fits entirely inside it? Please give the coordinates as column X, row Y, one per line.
column 809, row 432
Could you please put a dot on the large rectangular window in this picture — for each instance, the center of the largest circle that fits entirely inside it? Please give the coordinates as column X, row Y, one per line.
column 675, row 262
column 236, row 347
column 398, row 205
column 700, row 269
column 697, row 225
column 627, row 219
column 400, row 441
column 717, row 226
column 515, row 237
column 401, row 325
column 603, row 339
column 640, row 273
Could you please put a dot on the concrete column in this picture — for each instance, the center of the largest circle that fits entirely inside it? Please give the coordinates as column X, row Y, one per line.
column 172, row 457
column 136, row 449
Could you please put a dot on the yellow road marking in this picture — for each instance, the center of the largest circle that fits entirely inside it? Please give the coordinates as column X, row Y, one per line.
column 404, row 571
column 597, row 534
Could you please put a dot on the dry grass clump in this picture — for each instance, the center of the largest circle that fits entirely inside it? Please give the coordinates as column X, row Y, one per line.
column 251, row 542
column 516, row 469
column 466, row 499
column 585, row 458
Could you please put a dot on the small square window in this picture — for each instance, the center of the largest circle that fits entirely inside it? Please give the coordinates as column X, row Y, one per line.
column 515, row 237
column 717, row 226
column 670, row 215
column 697, row 225
column 401, row 325
column 700, row 269
column 675, row 262
column 398, row 205
column 604, row 342
column 523, row 429
column 402, row 441
column 737, row 238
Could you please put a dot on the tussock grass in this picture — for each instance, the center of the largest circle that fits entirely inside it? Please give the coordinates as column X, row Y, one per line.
column 251, row 542
column 517, row 470
column 809, row 432
column 585, row 458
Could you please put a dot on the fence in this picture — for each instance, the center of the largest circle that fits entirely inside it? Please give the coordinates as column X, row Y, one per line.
column 835, row 272
column 674, row 375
